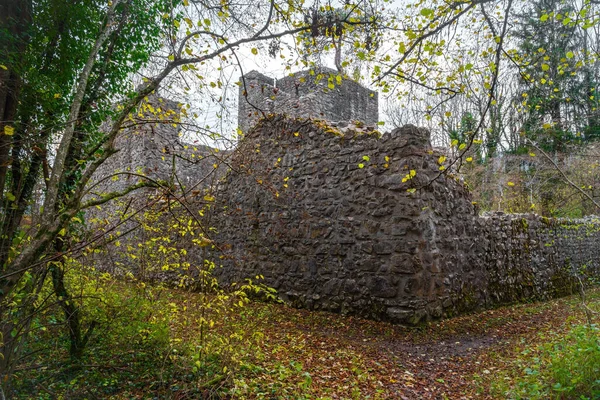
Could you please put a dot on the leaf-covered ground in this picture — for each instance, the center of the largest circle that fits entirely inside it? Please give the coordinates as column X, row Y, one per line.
column 348, row 357
column 281, row 352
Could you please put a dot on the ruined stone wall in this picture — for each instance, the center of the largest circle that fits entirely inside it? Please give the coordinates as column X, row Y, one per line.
column 338, row 217
column 305, row 95
column 149, row 148
column 328, row 215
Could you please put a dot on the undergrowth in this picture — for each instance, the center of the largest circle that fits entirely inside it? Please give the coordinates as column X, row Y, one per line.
column 149, row 339
column 564, row 365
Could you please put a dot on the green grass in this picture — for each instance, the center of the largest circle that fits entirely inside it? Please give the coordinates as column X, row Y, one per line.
column 562, row 366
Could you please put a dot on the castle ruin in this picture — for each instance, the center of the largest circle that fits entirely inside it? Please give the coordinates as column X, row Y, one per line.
column 323, row 94
column 338, row 217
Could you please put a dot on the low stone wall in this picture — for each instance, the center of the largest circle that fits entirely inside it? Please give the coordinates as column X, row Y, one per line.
column 337, row 218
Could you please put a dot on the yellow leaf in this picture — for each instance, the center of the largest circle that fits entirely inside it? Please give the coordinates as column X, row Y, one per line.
column 254, row 51
column 469, row 159
column 9, row 130
column 510, row 183
column 208, row 197
column 3, row 67
column 361, row 165
column 57, row 95
column 532, row 154
column 441, row 159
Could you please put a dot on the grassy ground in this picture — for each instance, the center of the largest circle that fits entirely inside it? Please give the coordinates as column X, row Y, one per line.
column 164, row 343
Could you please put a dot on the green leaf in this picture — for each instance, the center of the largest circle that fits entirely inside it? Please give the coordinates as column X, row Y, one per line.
column 426, row 12
column 570, row 54
column 10, row 196
column 545, row 67
column 544, row 18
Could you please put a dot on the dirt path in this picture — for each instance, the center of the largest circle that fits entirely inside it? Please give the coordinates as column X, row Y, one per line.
column 354, row 358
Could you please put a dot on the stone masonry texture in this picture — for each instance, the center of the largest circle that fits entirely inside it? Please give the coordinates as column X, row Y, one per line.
column 327, row 213
column 338, row 217
column 305, row 94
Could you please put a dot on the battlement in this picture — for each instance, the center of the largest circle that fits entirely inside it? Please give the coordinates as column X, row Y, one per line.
column 305, row 94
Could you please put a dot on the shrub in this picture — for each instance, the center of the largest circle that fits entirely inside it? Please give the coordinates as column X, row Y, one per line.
column 563, row 367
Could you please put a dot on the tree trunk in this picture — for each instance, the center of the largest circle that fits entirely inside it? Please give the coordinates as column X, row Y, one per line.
column 15, row 19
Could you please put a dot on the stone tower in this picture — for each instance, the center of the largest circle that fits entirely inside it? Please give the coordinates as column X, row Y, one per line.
column 305, row 95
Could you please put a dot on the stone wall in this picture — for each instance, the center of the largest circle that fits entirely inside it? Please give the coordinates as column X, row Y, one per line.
column 305, row 95
column 338, row 217
column 151, row 146
column 333, row 218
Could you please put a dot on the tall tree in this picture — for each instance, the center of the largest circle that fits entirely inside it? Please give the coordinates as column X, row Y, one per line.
column 548, row 40
column 66, row 94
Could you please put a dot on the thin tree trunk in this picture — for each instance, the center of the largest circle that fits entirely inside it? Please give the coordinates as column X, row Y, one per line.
column 15, row 18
